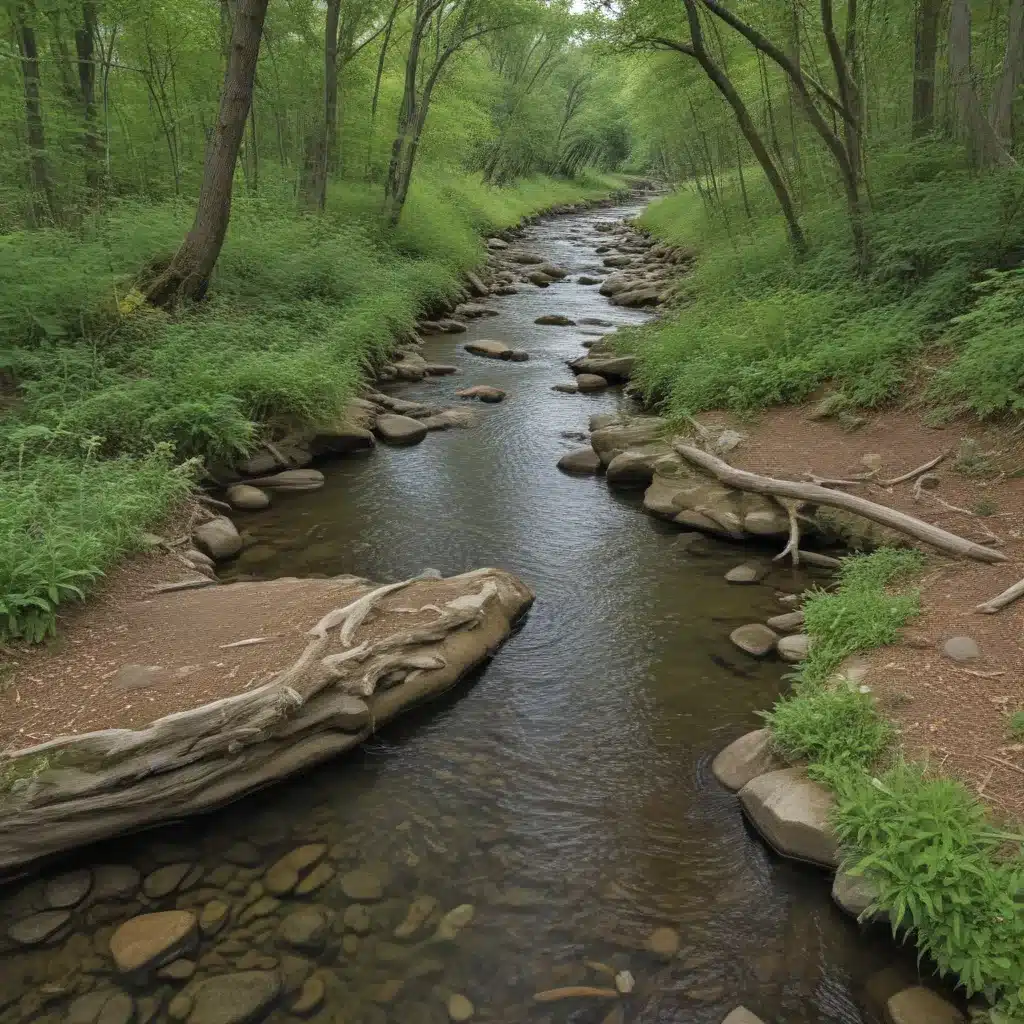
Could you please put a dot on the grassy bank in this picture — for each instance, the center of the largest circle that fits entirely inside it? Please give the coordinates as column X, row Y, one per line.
column 762, row 328
column 941, row 868
column 107, row 400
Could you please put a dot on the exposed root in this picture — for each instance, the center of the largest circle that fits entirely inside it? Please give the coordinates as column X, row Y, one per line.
column 792, row 547
column 1000, row 601
column 919, row 471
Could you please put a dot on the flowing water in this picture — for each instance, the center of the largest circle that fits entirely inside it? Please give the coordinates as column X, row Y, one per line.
column 565, row 793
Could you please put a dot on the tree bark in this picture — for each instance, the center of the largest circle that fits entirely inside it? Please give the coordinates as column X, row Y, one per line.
column 926, row 46
column 85, row 41
column 188, row 274
column 40, row 180
column 325, row 137
column 1010, row 77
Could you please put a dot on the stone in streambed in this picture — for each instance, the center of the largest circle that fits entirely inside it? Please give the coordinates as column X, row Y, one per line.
column 234, row 998
column 566, row 389
column 853, row 893
column 590, row 382
column 784, row 623
column 459, row 1007
column 489, row 349
column 613, row 368
column 663, row 942
column 587, row 281
column 165, row 880
column 152, row 939
column 400, row 430
column 745, row 759
column 419, row 910
column 540, row 279
column 357, row 919
column 754, row 639
column 794, row 649
column 362, row 885
column 484, row 392
column 218, row 538
column 582, row 462
column 454, row 921
column 748, row 572
column 440, row 369
column 213, row 917
column 68, row 890
column 284, row 875
column 741, row 1015
column 35, row 930
column 247, row 497
column 555, row 320
column 920, row 1005
column 310, row 996
column 306, row 928
column 296, row 481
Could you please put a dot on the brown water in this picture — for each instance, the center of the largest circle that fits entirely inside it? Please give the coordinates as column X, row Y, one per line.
column 565, row 793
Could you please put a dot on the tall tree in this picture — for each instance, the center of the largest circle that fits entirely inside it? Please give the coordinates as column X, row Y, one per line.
column 926, row 47
column 1011, row 76
column 188, row 274
column 85, row 43
column 40, row 179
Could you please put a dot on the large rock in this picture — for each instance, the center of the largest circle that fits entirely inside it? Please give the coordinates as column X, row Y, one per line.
column 239, row 998
column 483, row 392
column 590, row 382
column 400, row 430
column 489, row 349
column 247, row 497
column 920, row 1005
column 794, row 649
column 218, row 538
column 633, row 470
column 612, row 368
column 745, row 759
column 754, row 639
column 791, row 812
column 854, row 893
column 620, row 437
column 582, row 462
column 151, row 940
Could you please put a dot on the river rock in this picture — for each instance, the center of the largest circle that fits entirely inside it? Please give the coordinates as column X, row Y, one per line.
column 247, row 497
column 663, row 942
column 284, row 875
column 488, row 349
column 496, row 244
column 441, row 369
column 745, row 759
column 540, row 279
column 741, row 1015
column 36, row 929
column 636, row 298
column 115, row 882
column 633, row 470
column 218, row 538
column 345, row 438
column 310, row 996
column 68, row 890
column 792, row 814
column 484, row 392
column 525, row 258
column 590, row 382
column 616, row 438
column 566, row 388
column 476, row 286
column 213, row 917
column 920, row 1005
column 152, row 939
column 517, row 355
column 613, row 368
column 474, row 311
column 400, row 430
column 785, row 623
column 234, row 998
column 961, row 648
column 853, row 893
column 317, row 878
column 794, row 649
column 555, row 320
column 306, row 928
column 165, row 880
column 419, row 910
column 582, row 462
column 617, row 261
column 767, row 522
column 748, row 572
column 296, row 481
column 459, row 1007
column 454, row 921
column 755, row 639
column 177, row 970
column 362, row 885
column 357, row 919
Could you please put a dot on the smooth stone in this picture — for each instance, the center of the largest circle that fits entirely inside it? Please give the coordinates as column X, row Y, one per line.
column 316, row 879
column 152, row 939
column 177, row 970
column 961, row 648
column 86, row 1008
column 792, row 814
column 180, row 1006
column 555, row 320
column 234, row 998
column 388, row 991
column 166, row 880
column 244, row 496
column 263, row 907
column 454, row 921
column 853, row 893
column 310, row 996
column 254, row 960
column 426, row 967
column 440, row 369
column 754, row 639
column 400, row 430
column 794, row 648
column 741, row 1015
column 582, row 462
column 920, row 1005
column 787, row 622
column 745, row 759
column 362, row 885
column 306, row 928
column 484, row 392
column 244, row 854
column 115, row 882
column 488, row 349
column 31, row 931
column 585, row 280
column 590, row 382
column 68, row 890
column 218, row 538
column 517, row 355
column 459, row 1007
column 213, row 917
column 419, row 910
column 294, row 971
column 625, row 982
column 357, row 919
column 350, row 944
column 748, row 572
column 118, row 1009
column 284, row 875
column 663, row 942
column 566, row 388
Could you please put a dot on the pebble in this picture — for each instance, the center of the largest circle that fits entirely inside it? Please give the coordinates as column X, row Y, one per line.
column 663, row 942
column 962, row 649
column 625, row 982
column 68, row 890
column 306, row 928
column 454, row 921
column 166, row 880
column 310, row 996
column 357, row 919
column 284, row 875
column 388, row 991
column 754, row 639
column 213, row 917
column 254, row 960
column 459, row 1007
column 261, row 908
column 362, row 885
column 180, row 1006
column 350, row 944
column 316, row 879
column 419, row 910
column 34, row 930
column 748, row 572
column 177, row 970
column 151, row 939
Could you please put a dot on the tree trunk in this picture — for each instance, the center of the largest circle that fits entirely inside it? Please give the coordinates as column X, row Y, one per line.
column 39, row 166
column 376, row 84
column 1010, row 77
column 926, row 45
column 325, row 140
column 188, row 275
column 85, row 40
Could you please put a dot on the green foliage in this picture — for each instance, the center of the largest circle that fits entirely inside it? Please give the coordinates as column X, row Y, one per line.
column 1015, row 728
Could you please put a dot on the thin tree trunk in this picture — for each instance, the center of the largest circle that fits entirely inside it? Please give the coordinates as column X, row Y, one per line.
column 743, row 182
column 926, row 46
column 1010, row 77
column 39, row 166
column 189, row 272
column 327, row 129
column 376, row 84
column 85, row 43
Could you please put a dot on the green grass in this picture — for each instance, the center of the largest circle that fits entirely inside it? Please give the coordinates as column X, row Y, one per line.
column 107, row 395
column 760, row 328
column 940, row 868
column 1015, row 728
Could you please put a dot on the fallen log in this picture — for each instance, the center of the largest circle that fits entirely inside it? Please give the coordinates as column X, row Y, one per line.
column 812, row 493
column 1000, row 601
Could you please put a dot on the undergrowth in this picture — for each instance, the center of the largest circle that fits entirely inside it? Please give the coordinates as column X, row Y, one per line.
column 760, row 328
column 104, row 396
column 940, row 869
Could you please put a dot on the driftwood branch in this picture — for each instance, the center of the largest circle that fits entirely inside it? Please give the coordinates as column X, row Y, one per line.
column 792, row 547
column 931, row 464
column 900, row 521
column 1000, row 601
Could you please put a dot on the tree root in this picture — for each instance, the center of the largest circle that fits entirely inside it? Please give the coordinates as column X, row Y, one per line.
column 792, row 547
column 1000, row 601
column 931, row 464
column 805, row 492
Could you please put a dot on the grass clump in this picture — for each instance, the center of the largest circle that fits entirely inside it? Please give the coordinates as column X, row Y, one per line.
column 1015, row 728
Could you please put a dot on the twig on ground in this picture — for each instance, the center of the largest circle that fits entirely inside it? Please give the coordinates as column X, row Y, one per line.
column 250, row 642
column 981, row 675
column 1003, row 764
column 1000, row 601
column 920, row 492
column 931, row 464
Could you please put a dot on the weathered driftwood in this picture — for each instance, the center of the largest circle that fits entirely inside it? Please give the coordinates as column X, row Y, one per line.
column 1000, row 601
column 918, row 471
column 78, row 789
column 918, row 529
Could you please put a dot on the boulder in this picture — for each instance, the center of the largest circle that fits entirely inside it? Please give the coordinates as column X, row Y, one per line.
column 633, row 470
column 616, row 438
column 853, row 893
column 745, row 759
column 400, row 430
column 590, row 382
column 344, row 439
column 218, row 538
column 517, row 355
column 615, row 283
column 239, row 998
column 474, row 311
column 754, row 639
column 296, row 481
column 637, row 298
column 554, row 320
column 476, row 286
column 794, row 649
column 245, row 496
column 151, row 940
column 496, row 244
column 448, row 418
column 488, row 349
column 484, row 392
column 582, row 462
column 920, row 1005
column 525, row 258
column 613, row 368
column 586, row 280
column 553, row 271
column 791, row 812
column 617, row 261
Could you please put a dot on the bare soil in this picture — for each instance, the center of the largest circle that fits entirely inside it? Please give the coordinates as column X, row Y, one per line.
column 954, row 716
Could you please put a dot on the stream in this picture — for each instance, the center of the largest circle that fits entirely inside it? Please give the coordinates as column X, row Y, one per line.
column 565, row 793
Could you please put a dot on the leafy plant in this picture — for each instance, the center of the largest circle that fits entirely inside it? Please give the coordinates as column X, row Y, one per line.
column 1015, row 727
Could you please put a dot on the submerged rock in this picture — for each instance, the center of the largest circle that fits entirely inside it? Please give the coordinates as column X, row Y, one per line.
column 150, row 940
column 37, row 929
column 754, row 639
column 234, row 998
column 555, row 320
column 68, row 890
column 663, row 942
column 247, row 497
column 400, row 430
column 590, row 382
